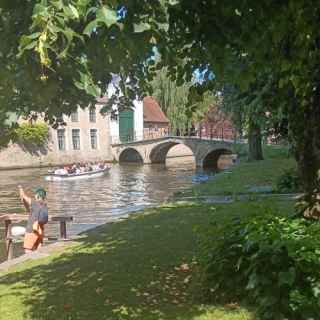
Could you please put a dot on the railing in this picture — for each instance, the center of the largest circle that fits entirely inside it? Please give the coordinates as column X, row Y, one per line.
column 156, row 135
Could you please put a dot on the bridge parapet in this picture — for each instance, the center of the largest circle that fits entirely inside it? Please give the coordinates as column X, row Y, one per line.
column 117, row 143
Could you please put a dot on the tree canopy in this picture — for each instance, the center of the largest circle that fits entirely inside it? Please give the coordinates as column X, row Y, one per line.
column 56, row 54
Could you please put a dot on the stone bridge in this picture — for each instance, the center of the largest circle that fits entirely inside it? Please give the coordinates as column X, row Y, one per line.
column 206, row 152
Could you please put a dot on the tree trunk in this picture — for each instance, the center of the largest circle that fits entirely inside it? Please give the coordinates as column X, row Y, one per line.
column 255, row 142
column 306, row 133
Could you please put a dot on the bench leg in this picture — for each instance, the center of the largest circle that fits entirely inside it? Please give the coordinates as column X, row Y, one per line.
column 63, row 230
column 9, row 249
column 9, row 244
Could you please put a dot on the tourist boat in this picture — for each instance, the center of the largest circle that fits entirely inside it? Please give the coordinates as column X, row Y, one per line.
column 76, row 176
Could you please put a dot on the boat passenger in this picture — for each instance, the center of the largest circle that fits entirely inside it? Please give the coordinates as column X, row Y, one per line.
column 72, row 169
column 61, row 171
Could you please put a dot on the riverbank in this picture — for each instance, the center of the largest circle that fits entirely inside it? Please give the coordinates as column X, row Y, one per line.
column 141, row 268
column 247, row 177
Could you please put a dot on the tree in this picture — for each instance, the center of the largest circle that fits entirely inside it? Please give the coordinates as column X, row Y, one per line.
column 267, row 37
column 56, row 55
column 62, row 43
column 173, row 100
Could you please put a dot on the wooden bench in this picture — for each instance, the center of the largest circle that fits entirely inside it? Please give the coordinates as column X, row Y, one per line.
column 9, row 219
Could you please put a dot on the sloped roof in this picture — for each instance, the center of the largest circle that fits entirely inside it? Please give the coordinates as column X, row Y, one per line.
column 152, row 111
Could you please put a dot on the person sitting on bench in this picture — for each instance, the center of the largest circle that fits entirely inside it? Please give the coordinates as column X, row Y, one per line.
column 38, row 217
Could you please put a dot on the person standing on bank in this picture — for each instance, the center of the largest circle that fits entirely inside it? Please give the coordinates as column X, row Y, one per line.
column 38, row 217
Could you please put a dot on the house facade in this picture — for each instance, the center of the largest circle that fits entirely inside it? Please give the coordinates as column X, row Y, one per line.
column 155, row 122
column 85, row 137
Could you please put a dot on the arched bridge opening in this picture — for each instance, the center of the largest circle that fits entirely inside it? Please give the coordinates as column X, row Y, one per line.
column 130, row 155
column 174, row 149
column 211, row 160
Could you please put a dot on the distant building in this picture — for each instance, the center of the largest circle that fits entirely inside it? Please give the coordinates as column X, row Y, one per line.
column 216, row 124
column 128, row 124
column 155, row 122
column 85, row 137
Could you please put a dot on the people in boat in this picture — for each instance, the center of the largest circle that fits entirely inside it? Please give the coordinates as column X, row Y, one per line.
column 38, row 217
column 78, row 168
column 61, row 171
column 101, row 165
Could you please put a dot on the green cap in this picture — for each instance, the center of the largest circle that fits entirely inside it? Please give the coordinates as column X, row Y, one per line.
column 41, row 192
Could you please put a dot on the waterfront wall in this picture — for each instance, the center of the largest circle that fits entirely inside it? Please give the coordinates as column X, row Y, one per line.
column 16, row 156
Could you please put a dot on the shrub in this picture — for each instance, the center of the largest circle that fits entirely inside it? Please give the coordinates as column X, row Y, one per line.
column 289, row 181
column 32, row 134
column 271, row 260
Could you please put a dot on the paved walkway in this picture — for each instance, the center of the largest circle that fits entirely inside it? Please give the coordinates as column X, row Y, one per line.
column 238, row 197
column 43, row 252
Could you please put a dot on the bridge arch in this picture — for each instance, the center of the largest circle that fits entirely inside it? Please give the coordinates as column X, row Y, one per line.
column 130, row 155
column 159, row 152
column 210, row 160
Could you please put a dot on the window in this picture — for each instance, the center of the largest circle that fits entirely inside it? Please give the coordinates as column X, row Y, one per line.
column 74, row 116
column 94, row 139
column 61, row 139
column 92, row 114
column 76, row 139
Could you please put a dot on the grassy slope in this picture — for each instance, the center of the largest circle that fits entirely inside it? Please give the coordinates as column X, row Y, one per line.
column 142, row 268
column 247, row 175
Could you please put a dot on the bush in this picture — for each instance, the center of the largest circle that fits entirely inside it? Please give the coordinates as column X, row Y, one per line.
column 32, row 134
column 289, row 181
column 271, row 260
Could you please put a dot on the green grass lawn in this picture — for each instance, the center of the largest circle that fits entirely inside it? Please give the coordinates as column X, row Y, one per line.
column 247, row 175
column 141, row 268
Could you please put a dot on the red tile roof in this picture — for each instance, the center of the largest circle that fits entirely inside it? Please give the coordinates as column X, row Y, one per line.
column 152, row 111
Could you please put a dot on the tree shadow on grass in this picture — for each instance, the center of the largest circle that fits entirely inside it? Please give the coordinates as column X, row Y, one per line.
column 142, row 268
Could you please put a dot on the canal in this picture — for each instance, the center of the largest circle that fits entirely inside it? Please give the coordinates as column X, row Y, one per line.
column 92, row 202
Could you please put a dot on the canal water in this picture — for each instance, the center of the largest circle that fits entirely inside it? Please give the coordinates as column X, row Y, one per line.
column 92, row 202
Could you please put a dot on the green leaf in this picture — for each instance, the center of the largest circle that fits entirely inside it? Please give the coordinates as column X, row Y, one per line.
column 287, row 278
column 141, row 27
column 58, row 4
column 107, row 16
column 74, row 11
column 70, row 12
column 90, row 27
column 34, row 35
column 31, row 45
column 39, row 9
